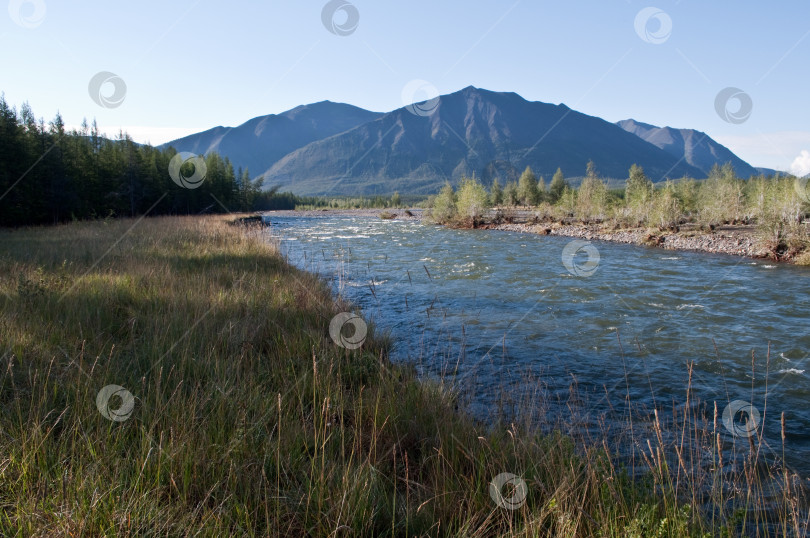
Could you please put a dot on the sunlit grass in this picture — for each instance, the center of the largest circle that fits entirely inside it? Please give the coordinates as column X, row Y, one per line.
column 249, row 420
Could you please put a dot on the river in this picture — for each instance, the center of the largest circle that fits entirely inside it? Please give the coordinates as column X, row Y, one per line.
column 521, row 322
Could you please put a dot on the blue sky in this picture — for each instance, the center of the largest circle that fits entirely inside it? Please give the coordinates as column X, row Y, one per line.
column 189, row 65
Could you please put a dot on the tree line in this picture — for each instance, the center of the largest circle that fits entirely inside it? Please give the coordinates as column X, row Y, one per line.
column 50, row 175
column 777, row 204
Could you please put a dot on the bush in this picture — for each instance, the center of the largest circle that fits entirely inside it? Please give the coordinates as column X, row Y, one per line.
column 527, row 191
column 496, row 193
column 665, row 210
column 638, row 194
column 592, row 196
column 444, row 205
column 721, row 196
column 558, row 185
column 776, row 206
column 510, row 194
column 686, row 189
column 472, row 200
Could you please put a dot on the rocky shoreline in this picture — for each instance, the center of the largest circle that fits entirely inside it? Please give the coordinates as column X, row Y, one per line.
column 732, row 240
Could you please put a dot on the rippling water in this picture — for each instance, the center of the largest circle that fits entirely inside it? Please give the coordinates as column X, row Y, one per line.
column 488, row 308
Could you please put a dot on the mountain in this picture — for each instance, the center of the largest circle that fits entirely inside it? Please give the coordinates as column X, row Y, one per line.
column 769, row 171
column 258, row 143
column 491, row 134
column 695, row 147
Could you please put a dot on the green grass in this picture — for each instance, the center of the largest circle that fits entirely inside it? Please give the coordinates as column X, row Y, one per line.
column 249, row 420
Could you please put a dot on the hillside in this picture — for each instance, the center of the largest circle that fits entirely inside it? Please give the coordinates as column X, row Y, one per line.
column 477, row 131
column 696, row 147
column 258, row 143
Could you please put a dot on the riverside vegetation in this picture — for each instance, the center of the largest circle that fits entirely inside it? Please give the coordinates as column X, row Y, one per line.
column 249, row 420
column 775, row 206
column 49, row 175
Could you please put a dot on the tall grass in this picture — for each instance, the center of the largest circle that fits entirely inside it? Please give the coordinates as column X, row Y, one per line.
column 249, row 420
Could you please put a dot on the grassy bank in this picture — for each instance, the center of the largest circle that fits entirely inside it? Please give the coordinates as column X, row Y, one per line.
column 249, row 420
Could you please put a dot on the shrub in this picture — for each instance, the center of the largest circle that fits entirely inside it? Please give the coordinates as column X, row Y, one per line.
column 557, row 186
column 721, row 196
column 496, row 193
column 638, row 194
column 444, row 205
column 592, row 196
column 527, row 192
column 510, row 194
column 665, row 210
column 472, row 200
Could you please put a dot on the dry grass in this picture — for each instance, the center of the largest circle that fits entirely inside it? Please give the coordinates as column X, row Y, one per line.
column 249, row 420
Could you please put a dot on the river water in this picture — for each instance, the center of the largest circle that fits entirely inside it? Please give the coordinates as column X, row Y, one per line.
column 519, row 320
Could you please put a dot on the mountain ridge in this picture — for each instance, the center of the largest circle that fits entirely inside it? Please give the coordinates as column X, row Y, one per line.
column 491, row 134
column 336, row 148
column 261, row 141
column 695, row 147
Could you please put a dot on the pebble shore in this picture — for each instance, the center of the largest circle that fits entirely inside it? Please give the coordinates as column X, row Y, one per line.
column 736, row 240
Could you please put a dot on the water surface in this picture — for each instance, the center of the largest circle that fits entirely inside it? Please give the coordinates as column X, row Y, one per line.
column 489, row 310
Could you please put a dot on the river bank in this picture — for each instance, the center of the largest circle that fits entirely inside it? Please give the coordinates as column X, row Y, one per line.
column 732, row 240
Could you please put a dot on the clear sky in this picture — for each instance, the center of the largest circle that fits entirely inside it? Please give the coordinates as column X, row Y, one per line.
column 189, row 65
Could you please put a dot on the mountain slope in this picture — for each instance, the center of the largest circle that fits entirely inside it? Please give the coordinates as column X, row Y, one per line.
column 769, row 171
column 470, row 131
column 260, row 142
column 695, row 147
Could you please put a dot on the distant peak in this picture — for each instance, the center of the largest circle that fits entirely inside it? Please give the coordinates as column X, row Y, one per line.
column 325, row 102
column 319, row 107
column 468, row 91
column 631, row 121
column 473, row 91
column 319, row 104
